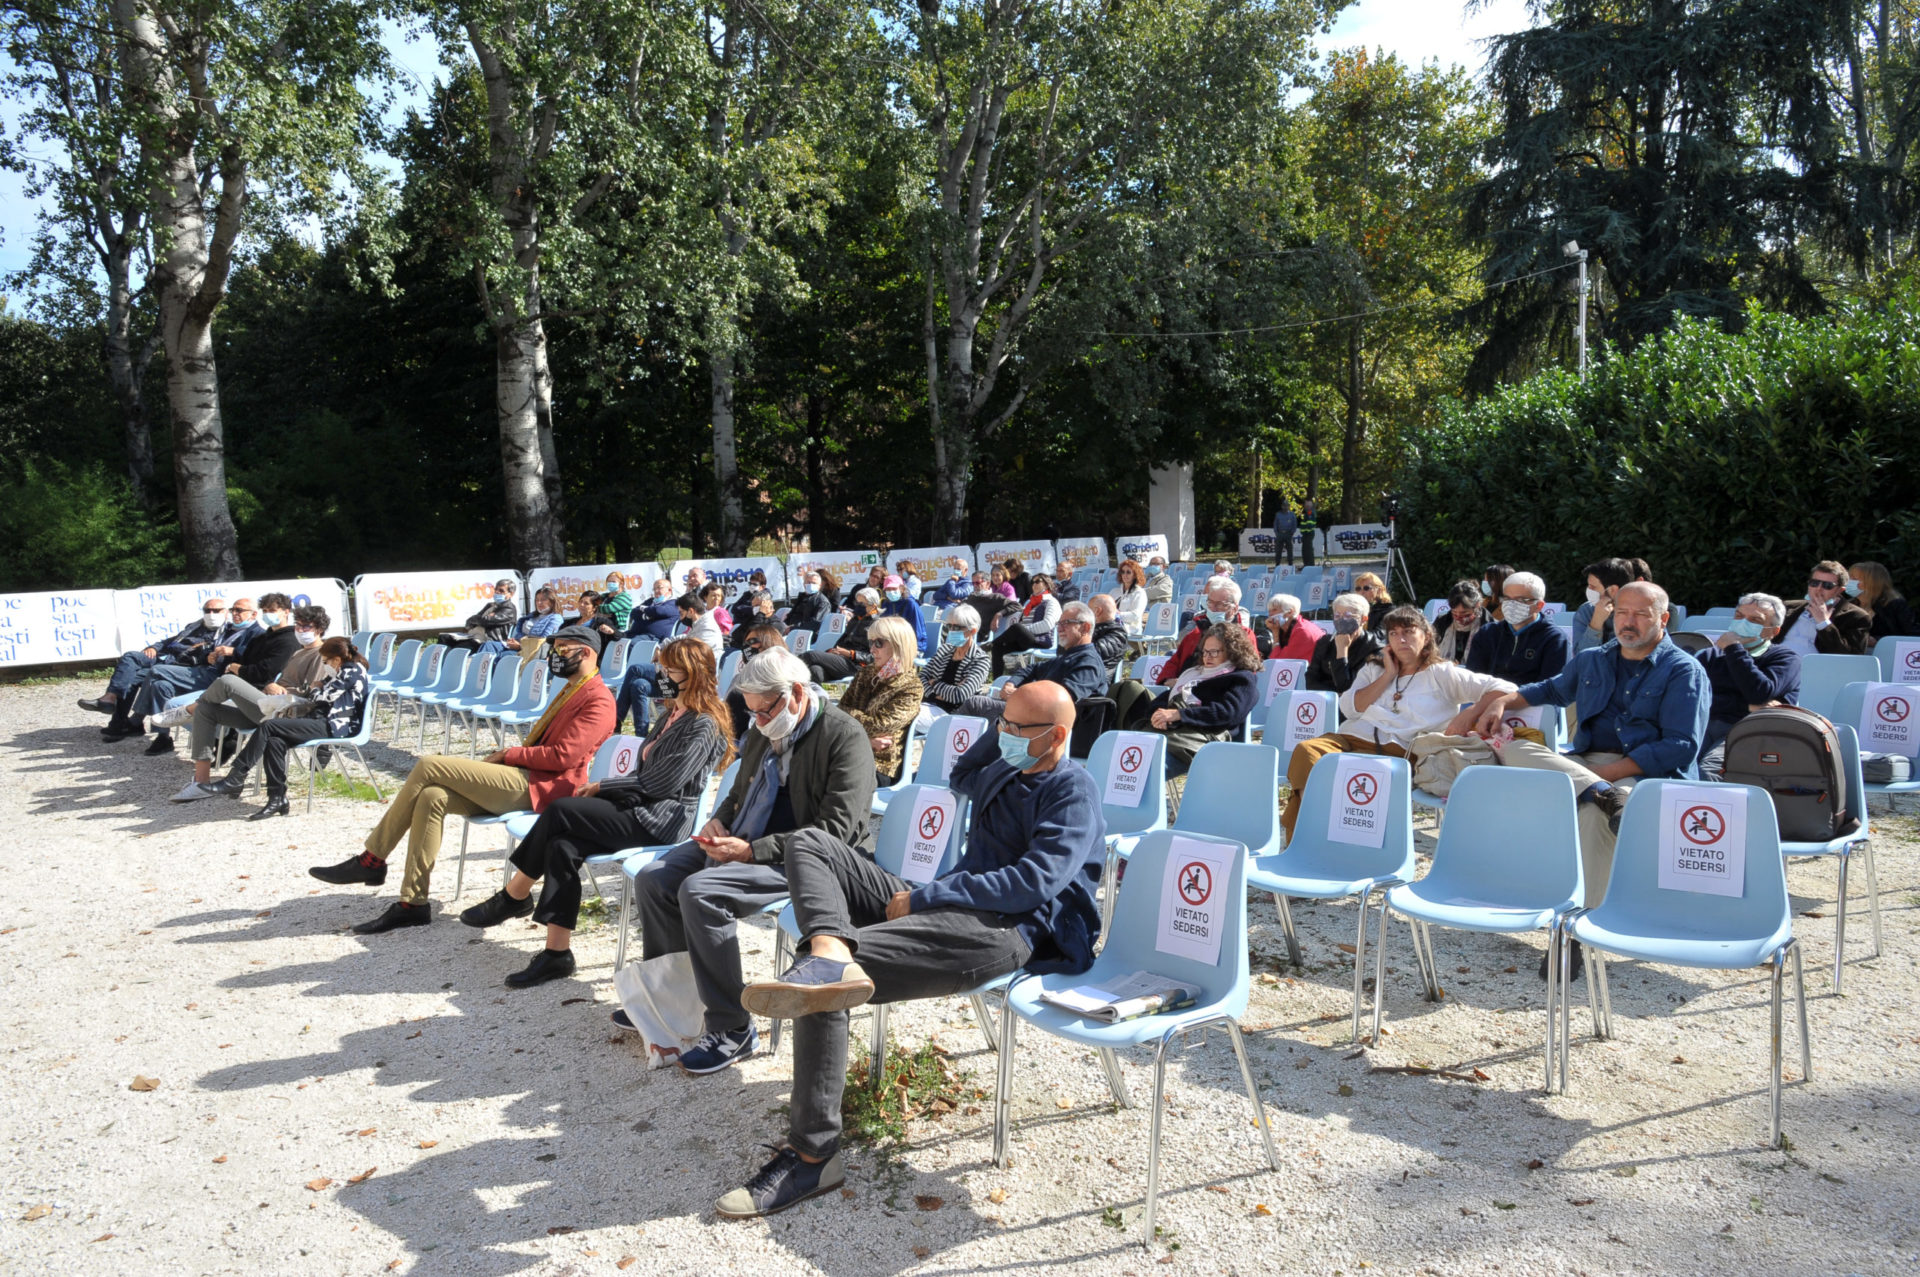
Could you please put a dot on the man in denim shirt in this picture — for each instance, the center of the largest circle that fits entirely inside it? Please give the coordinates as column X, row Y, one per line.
column 1644, row 706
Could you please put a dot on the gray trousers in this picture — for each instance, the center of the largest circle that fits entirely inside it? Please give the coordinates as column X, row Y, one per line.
column 839, row 891
column 230, row 702
column 688, row 903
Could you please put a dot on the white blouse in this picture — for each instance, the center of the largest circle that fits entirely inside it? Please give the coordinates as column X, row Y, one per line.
column 1132, row 607
column 1427, row 701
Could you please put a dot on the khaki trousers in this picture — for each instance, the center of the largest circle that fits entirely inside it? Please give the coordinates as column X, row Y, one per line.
column 1309, row 752
column 1596, row 839
column 438, row 787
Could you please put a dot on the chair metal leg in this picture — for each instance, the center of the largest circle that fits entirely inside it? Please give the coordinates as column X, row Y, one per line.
column 1110, row 1062
column 1423, row 955
column 1606, row 998
column 1360, row 961
column 1873, row 894
column 1595, row 965
column 1773, row 1089
column 780, row 952
column 379, row 795
column 310, row 771
column 877, row 1047
column 626, row 902
column 983, row 1015
column 1380, row 971
column 1110, row 889
column 460, row 871
column 1003, row 1086
column 1153, row 1144
column 1253, row 1093
column 1553, row 992
column 1800, row 996
column 1286, row 927
column 1566, row 1004
column 1840, row 924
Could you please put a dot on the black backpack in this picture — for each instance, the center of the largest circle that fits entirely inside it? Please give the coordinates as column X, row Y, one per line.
column 1793, row 754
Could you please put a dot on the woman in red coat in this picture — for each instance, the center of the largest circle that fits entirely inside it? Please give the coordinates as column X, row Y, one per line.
column 551, row 765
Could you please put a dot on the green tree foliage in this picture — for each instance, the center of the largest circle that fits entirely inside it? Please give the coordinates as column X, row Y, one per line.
column 1730, row 462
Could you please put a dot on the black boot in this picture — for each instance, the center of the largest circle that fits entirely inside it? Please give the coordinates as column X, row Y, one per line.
column 356, row 871
column 234, row 785
column 121, row 725
column 276, row 806
column 548, row 964
column 162, row 744
column 496, row 909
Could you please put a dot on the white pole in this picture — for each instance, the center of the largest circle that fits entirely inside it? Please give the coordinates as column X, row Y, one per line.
column 1583, row 314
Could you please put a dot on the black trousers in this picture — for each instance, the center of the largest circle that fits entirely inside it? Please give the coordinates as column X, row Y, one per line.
column 1017, row 637
column 828, row 667
column 560, row 842
column 271, row 740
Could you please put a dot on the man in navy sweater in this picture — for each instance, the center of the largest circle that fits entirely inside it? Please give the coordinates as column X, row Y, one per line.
column 1022, row 896
column 1524, row 647
column 657, row 618
column 1078, row 668
column 1746, row 668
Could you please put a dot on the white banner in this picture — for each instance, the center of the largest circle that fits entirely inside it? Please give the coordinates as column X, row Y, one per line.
column 1284, row 676
column 965, row 731
column 1906, row 663
column 156, row 612
column 1356, row 538
column 69, row 625
column 567, row 582
column 734, row 574
column 1307, row 717
column 851, row 566
column 1256, row 543
column 1193, row 899
column 1127, row 772
column 1036, row 555
column 1082, row 552
column 1358, row 813
column 1703, row 839
column 1890, row 719
column 1141, row 549
column 934, row 563
column 929, row 830
column 423, row 600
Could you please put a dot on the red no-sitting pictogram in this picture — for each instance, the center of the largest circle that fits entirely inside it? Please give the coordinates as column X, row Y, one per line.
column 1196, row 882
column 1894, row 709
column 1702, row 824
column 1283, row 677
column 1913, row 658
column 623, row 761
column 1130, row 759
column 961, row 740
column 1306, row 713
column 1362, row 789
column 931, row 822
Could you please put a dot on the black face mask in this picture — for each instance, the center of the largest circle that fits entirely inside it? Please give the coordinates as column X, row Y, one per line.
column 665, row 686
column 1346, row 625
column 565, row 664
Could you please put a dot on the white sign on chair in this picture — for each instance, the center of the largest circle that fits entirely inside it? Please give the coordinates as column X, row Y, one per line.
column 1703, row 839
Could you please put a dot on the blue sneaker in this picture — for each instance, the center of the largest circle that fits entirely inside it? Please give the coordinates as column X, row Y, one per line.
column 716, row 1051
column 783, row 1182
column 810, row 986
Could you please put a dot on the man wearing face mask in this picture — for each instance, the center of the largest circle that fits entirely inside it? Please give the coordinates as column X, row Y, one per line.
column 1288, row 636
column 188, row 648
column 165, row 683
column 1828, row 620
column 757, row 614
column 959, row 667
column 493, row 623
column 1159, row 582
column 238, row 699
column 808, row 608
column 804, row 764
column 1644, row 708
column 955, row 588
column 1022, row 896
column 1746, row 669
column 1523, row 647
column 1223, row 605
column 1077, row 668
column 551, row 765
column 656, row 618
column 844, row 659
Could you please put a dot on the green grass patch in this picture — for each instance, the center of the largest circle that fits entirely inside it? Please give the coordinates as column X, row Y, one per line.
column 334, row 785
column 915, row 1084
column 595, row 911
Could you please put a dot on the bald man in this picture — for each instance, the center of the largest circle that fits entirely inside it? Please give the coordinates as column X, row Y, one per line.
column 1022, row 896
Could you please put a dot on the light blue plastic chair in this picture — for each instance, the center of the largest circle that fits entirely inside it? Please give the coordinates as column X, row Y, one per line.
column 1314, row 867
column 362, row 737
column 1712, row 623
column 799, row 642
column 503, row 686
column 1640, row 920
column 890, row 853
column 1161, row 629
column 1846, row 709
column 1221, row 1000
column 1887, row 652
column 453, row 671
column 832, row 626
column 379, row 654
column 640, row 651
column 398, row 669
column 425, row 671
column 1126, row 826
column 360, row 639
column 529, row 702
column 632, row 860
column 1723, row 613
column 614, row 663
column 729, row 666
column 1510, row 863
column 519, row 823
column 1318, row 713
column 884, row 794
column 471, row 689
column 1231, row 790
column 1822, row 676
column 1845, row 847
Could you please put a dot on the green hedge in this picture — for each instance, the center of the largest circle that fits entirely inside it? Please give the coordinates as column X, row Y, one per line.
column 1729, row 463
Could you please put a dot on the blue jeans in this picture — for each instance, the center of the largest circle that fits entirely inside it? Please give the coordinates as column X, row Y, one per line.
column 126, row 672
column 164, row 682
column 638, row 686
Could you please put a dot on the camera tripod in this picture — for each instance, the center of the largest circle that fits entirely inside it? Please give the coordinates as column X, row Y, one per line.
column 1396, row 572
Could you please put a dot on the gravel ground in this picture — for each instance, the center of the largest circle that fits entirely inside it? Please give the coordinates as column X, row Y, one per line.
column 334, row 1103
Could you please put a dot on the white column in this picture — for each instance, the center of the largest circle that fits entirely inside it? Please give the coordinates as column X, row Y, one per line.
column 1170, row 507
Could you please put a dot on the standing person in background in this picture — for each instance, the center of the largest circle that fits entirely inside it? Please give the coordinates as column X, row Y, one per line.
column 1309, row 532
column 1871, row 586
column 1286, row 524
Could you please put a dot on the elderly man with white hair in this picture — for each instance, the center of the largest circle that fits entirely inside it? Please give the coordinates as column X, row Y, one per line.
column 1287, row 636
column 1747, row 668
column 1223, row 605
column 1522, row 646
column 804, row 764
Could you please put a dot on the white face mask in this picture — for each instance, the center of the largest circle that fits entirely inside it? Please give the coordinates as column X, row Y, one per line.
column 307, row 637
column 1516, row 612
column 273, row 620
column 1593, row 595
column 782, row 724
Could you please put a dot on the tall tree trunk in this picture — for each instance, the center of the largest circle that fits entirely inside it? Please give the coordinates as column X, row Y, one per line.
column 954, row 444
column 518, row 369
column 1355, row 433
column 816, row 472
column 190, row 286
column 126, row 368
column 726, row 459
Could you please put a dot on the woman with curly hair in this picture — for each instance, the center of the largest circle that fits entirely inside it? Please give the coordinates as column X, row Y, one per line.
column 1212, row 697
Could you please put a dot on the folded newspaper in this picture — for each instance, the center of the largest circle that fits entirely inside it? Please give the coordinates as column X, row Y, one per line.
column 1123, row 998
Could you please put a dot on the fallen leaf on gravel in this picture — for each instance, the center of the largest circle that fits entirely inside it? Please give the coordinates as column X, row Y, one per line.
column 1344, row 948
column 196, row 900
column 38, row 1212
column 627, row 1261
column 1345, row 1090
column 315, row 1185
column 104, row 1237
column 560, row 1230
column 1262, row 1209
column 1467, row 1210
column 395, row 1264
column 997, row 1196
column 264, row 913
column 1535, row 1164
column 1579, row 1201
column 428, row 1143
column 921, row 1252
column 144, row 933
column 1063, row 1102
column 141, row 1082
column 1218, row 1188
column 1626, row 1172
column 192, row 1005
column 1478, row 1076
column 218, row 1160
column 567, row 1002
column 1679, row 1059
column 416, row 1033
column 363, row 1176
column 848, row 1193
column 925, row 1202
column 370, row 1130
column 1462, row 970
column 224, row 1045
column 1511, row 970
column 1504, row 1205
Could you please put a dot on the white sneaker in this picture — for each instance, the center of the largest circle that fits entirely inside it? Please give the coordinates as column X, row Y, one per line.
column 178, row 716
column 193, row 793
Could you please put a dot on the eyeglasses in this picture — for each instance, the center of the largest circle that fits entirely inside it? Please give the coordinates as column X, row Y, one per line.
column 1816, row 583
column 767, row 715
column 1020, row 729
